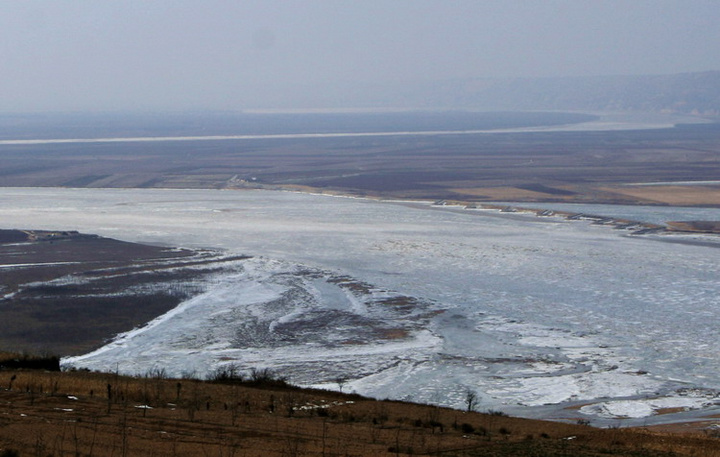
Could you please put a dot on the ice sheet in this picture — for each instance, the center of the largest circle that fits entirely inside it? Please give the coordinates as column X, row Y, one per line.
column 526, row 311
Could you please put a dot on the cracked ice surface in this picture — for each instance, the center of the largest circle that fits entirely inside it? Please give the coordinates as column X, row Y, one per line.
column 526, row 311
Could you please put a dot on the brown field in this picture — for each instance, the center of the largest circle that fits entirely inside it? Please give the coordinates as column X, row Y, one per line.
column 91, row 414
column 670, row 195
column 708, row 195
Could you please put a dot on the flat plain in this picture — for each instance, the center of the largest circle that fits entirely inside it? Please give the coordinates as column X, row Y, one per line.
column 655, row 166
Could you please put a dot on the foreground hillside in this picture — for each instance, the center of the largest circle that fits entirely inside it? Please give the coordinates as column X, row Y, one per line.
column 96, row 414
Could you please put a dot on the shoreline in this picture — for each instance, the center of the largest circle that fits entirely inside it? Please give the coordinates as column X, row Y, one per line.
column 636, row 227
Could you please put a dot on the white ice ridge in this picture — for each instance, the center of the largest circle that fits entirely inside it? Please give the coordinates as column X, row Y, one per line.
column 245, row 137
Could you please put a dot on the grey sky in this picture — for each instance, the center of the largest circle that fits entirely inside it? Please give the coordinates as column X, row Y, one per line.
column 231, row 54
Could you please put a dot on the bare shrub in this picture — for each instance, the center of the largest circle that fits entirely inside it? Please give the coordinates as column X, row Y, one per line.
column 227, row 374
column 470, row 400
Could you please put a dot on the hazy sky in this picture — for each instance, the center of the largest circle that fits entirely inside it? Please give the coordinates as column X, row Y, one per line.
column 230, row 54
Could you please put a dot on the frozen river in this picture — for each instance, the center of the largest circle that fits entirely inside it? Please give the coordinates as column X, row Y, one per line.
column 418, row 302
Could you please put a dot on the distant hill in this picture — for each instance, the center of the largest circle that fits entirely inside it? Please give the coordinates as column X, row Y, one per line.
column 688, row 93
column 685, row 93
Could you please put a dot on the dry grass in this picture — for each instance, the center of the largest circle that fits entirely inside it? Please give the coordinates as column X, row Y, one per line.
column 671, row 195
column 93, row 414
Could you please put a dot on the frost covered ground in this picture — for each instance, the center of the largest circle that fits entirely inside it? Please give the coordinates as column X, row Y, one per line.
column 417, row 302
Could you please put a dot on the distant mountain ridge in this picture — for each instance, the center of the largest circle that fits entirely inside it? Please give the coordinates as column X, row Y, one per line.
column 684, row 93
column 688, row 93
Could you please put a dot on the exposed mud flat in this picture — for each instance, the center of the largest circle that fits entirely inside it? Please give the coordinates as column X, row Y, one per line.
column 66, row 292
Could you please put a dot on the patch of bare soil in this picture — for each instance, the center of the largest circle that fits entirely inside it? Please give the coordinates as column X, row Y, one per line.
column 670, row 194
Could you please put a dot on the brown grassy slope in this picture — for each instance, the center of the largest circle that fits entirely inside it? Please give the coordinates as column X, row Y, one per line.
column 92, row 414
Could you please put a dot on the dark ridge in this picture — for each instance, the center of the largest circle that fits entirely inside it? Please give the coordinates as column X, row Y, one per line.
column 545, row 189
column 12, row 236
